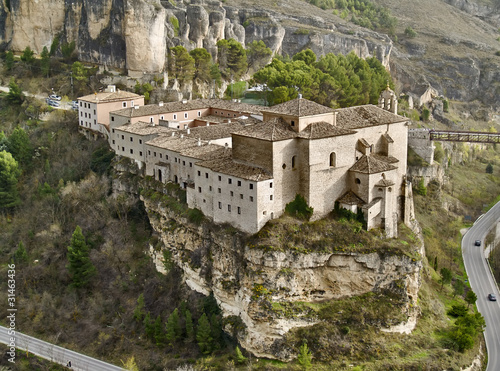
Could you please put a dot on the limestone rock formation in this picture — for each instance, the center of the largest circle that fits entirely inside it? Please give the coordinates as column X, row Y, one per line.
column 216, row 260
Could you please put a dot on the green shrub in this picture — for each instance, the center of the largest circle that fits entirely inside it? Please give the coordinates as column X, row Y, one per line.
column 426, row 114
column 458, row 310
column 446, row 105
column 299, row 208
column 410, row 32
column 175, row 23
column 195, row 216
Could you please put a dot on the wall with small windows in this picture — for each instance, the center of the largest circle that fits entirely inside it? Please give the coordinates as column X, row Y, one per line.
column 130, row 145
column 253, row 151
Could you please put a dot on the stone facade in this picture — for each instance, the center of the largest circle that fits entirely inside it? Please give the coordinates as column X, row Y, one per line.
column 242, row 171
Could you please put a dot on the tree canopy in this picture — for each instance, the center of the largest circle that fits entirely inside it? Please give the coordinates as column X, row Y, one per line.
column 333, row 80
column 9, row 173
column 80, row 267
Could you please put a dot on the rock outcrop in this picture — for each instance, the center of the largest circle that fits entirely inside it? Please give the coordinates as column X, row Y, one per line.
column 219, row 260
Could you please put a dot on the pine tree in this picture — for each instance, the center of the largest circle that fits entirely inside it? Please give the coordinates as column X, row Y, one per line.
column 139, row 309
column 203, row 335
column 470, row 298
column 9, row 60
column 240, row 358
column 21, row 256
column 148, row 327
column 216, row 330
column 304, row 357
column 45, row 62
column 173, row 327
column 80, row 267
column 19, row 145
column 15, row 94
column 489, row 168
column 159, row 333
column 9, row 173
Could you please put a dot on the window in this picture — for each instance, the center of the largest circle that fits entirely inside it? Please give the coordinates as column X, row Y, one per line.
column 154, row 154
column 113, row 119
column 333, row 159
column 131, row 139
column 283, row 166
column 271, row 185
column 264, row 213
column 199, row 173
column 95, row 122
column 161, row 155
column 113, row 141
column 80, row 104
column 113, row 130
column 241, row 196
column 149, row 152
column 175, row 159
column 239, row 210
column 190, row 164
column 231, row 193
column 251, row 198
column 229, row 208
column 85, row 114
column 229, row 181
column 175, row 116
column 140, row 153
column 210, row 188
column 204, row 200
column 94, row 112
column 123, row 137
column 239, row 183
column 81, row 113
column 220, row 205
column 199, row 189
column 293, row 123
column 199, row 113
column 185, row 115
column 251, row 185
column 358, row 181
column 131, row 103
column 151, row 120
column 183, row 163
column 124, row 104
column 161, row 118
column 140, row 141
column 131, row 151
column 166, row 157
column 219, row 190
column 294, row 158
column 206, row 175
column 81, row 122
column 123, row 149
column 271, row 197
column 220, row 178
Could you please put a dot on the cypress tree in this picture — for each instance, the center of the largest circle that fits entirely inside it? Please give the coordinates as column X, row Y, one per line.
column 80, row 267
column 189, row 326
column 148, row 327
column 173, row 327
column 159, row 334
column 203, row 335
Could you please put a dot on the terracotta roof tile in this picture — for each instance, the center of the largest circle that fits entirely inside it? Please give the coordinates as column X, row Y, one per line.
column 109, row 96
column 229, row 167
column 214, row 131
column 206, row 152
column 371, row 165
column 144, row 128
column 322, row 129
column 388, row 159
column 350, row 198
column 299, row 107
column 365, row 116
column 275, row 129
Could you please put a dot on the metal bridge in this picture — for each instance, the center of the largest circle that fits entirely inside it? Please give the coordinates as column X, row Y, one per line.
column 464, row 136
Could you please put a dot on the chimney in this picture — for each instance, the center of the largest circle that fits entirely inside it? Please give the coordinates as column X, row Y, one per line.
column 335, row 118
column 136, row 107
column 112, row 88
column 160, row 104
column 188, row 131
column 199, row 142
column 208, row 124
column 228, row 121
column 182, row 136
column 300, row 96
column 173, row 134
column 184, row 101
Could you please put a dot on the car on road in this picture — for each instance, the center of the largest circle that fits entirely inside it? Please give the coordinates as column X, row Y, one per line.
column 53, row 103
column 55, row 97
column 477, row 243
column 492, row 297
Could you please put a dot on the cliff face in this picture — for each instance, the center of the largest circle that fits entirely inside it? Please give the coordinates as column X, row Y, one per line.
column 246, row 280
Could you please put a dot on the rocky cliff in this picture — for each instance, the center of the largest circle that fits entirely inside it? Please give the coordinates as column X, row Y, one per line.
column 264, row 294
column 454, row 51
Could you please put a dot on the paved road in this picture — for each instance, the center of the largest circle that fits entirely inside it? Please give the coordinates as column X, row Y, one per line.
column 56, row 354
column 63, row 105
column 483, row 283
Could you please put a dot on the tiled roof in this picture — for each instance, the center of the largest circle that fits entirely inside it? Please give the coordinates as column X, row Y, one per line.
column 365, row 116
column 388, row 138
column 350, row 198
column 371, row 165
column 213, row 131
column 299, row 107
column 229, row 167
column 322, row 129
column 144, row 128
column 363, row 142
column 173, row 143
column 384, row 183
column 109, row 96
column 206, row 152
column 273, row 130
column 155, row 109
column 388, row 159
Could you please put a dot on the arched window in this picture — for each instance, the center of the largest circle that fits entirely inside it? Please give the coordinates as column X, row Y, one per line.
column 358, row 181
column 294, row 158
column 333, row 159
column 176, row 179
